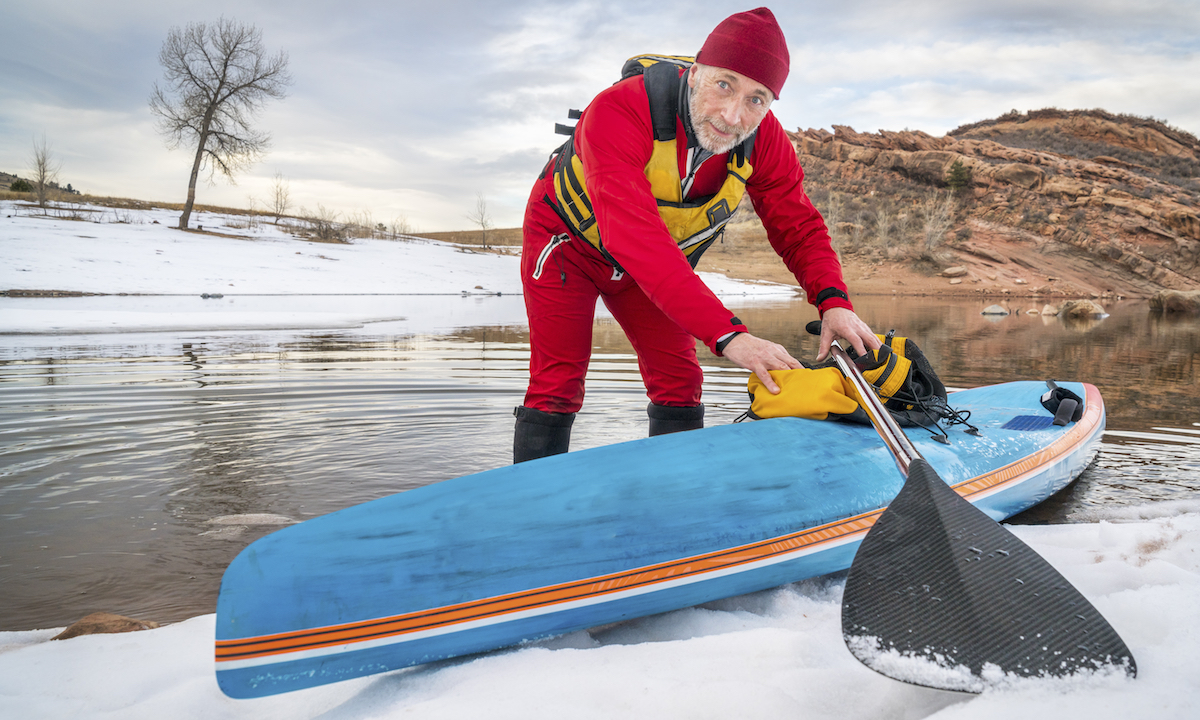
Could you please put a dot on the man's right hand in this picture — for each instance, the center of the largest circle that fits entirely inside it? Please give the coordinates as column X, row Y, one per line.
column 760, row 356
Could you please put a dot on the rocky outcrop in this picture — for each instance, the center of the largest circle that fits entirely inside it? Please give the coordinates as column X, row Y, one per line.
column 1121, row 131
column 1117, row 196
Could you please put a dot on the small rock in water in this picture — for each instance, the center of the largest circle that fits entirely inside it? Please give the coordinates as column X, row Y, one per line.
column 226, row 532
column 994, row 310
column 1176, row 301
column 252, row 519
column 229, row 527
column 103, row 622
column 1080, row 308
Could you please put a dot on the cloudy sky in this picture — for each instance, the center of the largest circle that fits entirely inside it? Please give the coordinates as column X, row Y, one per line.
column 412, row 110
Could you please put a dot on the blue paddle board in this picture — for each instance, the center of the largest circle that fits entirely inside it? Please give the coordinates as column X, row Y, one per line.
column 588, row 538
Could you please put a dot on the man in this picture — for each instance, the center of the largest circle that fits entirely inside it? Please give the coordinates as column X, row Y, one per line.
column 653, row 170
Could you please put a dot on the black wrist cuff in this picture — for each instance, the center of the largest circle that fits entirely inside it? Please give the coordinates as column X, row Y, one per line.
column 722, row 344
column 828, row 293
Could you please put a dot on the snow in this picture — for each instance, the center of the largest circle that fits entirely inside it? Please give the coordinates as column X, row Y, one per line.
column 156, row 277
column 775, row 654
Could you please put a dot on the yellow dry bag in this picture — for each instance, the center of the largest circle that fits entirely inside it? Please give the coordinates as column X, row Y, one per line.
column 816, row 394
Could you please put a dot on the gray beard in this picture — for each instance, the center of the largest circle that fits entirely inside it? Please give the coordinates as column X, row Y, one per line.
column 708, row 140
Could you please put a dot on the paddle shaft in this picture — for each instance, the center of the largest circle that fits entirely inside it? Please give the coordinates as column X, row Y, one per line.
column 891, row 433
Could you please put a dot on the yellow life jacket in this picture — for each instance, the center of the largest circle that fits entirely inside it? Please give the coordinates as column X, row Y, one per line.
column 694, row 224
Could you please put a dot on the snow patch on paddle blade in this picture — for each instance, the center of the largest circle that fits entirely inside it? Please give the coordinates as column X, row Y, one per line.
column 933, row 669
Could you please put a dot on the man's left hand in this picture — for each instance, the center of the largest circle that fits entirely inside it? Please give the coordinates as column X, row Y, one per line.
column 842, row 323
column 760, row 357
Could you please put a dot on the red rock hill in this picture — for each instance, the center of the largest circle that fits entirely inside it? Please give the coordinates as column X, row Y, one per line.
column 1050, row 202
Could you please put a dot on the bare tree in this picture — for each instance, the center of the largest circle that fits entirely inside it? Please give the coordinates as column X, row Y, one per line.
column 218, row 77
column 480, row 216
column 281, row 197
column 45, row 171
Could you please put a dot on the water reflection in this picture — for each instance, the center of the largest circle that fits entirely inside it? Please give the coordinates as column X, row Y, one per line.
column 117, row 455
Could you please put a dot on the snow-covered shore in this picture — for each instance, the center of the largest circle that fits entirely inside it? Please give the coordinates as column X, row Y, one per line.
column 137, row 252
column 776, row 654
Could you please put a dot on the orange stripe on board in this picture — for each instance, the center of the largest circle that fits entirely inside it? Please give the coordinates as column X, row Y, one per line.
column 317, row 638
column 541, row 597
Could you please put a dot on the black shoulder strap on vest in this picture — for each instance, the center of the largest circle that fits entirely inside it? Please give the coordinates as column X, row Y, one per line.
column 746, row 149
column 662, row 89
column 663, row 83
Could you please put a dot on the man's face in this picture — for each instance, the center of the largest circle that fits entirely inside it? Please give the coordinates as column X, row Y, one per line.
column 726, row 107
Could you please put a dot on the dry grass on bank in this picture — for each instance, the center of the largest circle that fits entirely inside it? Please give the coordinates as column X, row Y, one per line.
column 504, row 237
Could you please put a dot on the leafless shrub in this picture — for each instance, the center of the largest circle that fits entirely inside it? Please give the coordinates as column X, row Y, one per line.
column 830, row 206
column 937, row 211
column 45, row 172
column 249, row 220
column 281, row 197
column 360, row 225
column 324, row 224
column 883, row 218
column 71, row 210
column 123, row 216
column 400, row 227
column 903, row 226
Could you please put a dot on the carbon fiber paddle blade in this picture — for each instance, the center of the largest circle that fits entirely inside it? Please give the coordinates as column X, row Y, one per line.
column 941, row 595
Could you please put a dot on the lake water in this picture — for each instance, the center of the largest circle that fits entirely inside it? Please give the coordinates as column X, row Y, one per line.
column 134, row 467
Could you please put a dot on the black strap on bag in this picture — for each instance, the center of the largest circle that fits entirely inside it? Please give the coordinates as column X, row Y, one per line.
column 922, row 399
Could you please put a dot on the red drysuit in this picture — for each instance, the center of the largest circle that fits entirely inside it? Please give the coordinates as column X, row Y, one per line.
column 659, row 301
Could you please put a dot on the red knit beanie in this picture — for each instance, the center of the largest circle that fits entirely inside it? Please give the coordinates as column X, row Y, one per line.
column 752, row 44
